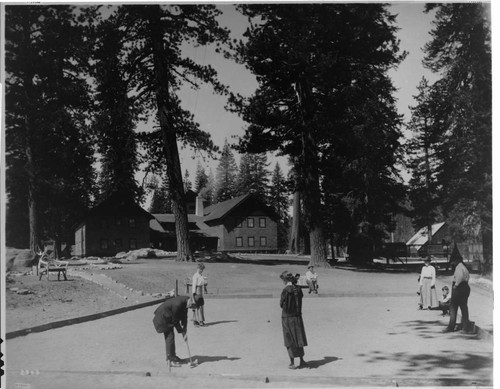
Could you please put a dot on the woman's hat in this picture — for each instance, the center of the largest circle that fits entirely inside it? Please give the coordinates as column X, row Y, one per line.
column 310, row 266
column 287, row 276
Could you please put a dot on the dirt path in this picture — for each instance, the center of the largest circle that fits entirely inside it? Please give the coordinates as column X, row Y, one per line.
column 94, row 289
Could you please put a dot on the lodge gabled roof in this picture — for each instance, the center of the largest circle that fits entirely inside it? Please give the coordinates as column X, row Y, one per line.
column 116, row 202
column 213, row 212
column 222, row 209
column 170, row 218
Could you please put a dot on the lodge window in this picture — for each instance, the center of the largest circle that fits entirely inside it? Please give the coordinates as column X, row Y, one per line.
column 240, row 224
column 133, row 243
column 251, row 241
column 263, row 241
column 262, row 222
column 118, row 243
column 239, row 241
column 131, row 222
column 118, row 221
column 250, row 222
column 104, row 243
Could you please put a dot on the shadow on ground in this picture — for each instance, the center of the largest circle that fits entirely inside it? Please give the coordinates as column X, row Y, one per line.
column 477, row 364
column 320, row 362
column 430, row 330
column 205, row 358
column 424, row 328
column 219, row 322
column 469, row 363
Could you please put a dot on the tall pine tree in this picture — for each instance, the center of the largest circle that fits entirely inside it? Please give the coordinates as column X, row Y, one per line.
column 279, row 201
column 116, row 114
column 253, row 175
column 48, row 149
column 424, row 188
column 226, row 175
column 460, row 53
column 160, row 200
column 155, row 34
column 201, row 179
column 314, row 62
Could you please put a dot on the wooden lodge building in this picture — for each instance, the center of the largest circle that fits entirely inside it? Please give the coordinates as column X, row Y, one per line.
column 116, row 224
column 241, row 224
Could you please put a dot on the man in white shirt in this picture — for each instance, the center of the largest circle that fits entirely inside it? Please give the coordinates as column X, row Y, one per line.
column 460, row 295
column 312, row 280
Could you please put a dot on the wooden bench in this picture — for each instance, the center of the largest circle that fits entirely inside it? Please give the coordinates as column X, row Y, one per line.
column 47, row 266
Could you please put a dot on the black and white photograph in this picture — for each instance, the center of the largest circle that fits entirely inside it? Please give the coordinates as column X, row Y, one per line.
column 247, row 194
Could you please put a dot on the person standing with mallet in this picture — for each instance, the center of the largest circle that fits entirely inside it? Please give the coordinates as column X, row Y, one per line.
column 172, row 314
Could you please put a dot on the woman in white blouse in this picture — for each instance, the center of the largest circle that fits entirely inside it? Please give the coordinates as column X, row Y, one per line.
column 428, row 295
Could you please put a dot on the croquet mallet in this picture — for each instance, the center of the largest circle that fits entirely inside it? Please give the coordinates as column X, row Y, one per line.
column 191, row 363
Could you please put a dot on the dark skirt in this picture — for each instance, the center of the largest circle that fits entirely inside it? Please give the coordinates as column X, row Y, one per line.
column 199, row 300
column 294, row 334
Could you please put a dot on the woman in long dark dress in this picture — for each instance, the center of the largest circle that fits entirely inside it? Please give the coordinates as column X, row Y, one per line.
column 294, row 334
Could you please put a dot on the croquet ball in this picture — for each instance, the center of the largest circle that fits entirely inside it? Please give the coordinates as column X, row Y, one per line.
column 148, row 374
column 266, row 380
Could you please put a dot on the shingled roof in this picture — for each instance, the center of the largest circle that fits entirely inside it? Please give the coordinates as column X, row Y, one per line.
column 116, row 202
column 213, row 212
column 219, row 210
column 196, row 220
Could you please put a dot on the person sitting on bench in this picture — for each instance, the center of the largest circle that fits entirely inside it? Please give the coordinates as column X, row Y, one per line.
column 312, row 280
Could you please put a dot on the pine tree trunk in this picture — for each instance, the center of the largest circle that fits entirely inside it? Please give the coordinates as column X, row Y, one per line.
column 333, row 249
column 305, row 238
column 30, row 166
column 427, row 183
column 32, row 197
column 314, row 218
column 309, row 177
column 171, row 151
column 57, row 248
column 486, row 259
column 312, row 202
column 294, row 236
column 33, row 220
column 318, row 247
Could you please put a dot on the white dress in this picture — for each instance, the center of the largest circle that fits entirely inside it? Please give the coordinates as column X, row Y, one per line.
column 428, row 294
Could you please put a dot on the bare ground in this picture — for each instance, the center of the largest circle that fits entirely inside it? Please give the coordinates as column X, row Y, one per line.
column 31, row 302
column 49, row 301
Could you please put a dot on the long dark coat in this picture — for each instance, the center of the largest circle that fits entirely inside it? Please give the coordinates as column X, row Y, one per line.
column 294, row 334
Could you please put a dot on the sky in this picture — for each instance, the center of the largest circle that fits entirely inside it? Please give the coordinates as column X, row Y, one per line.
column 208, row 108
